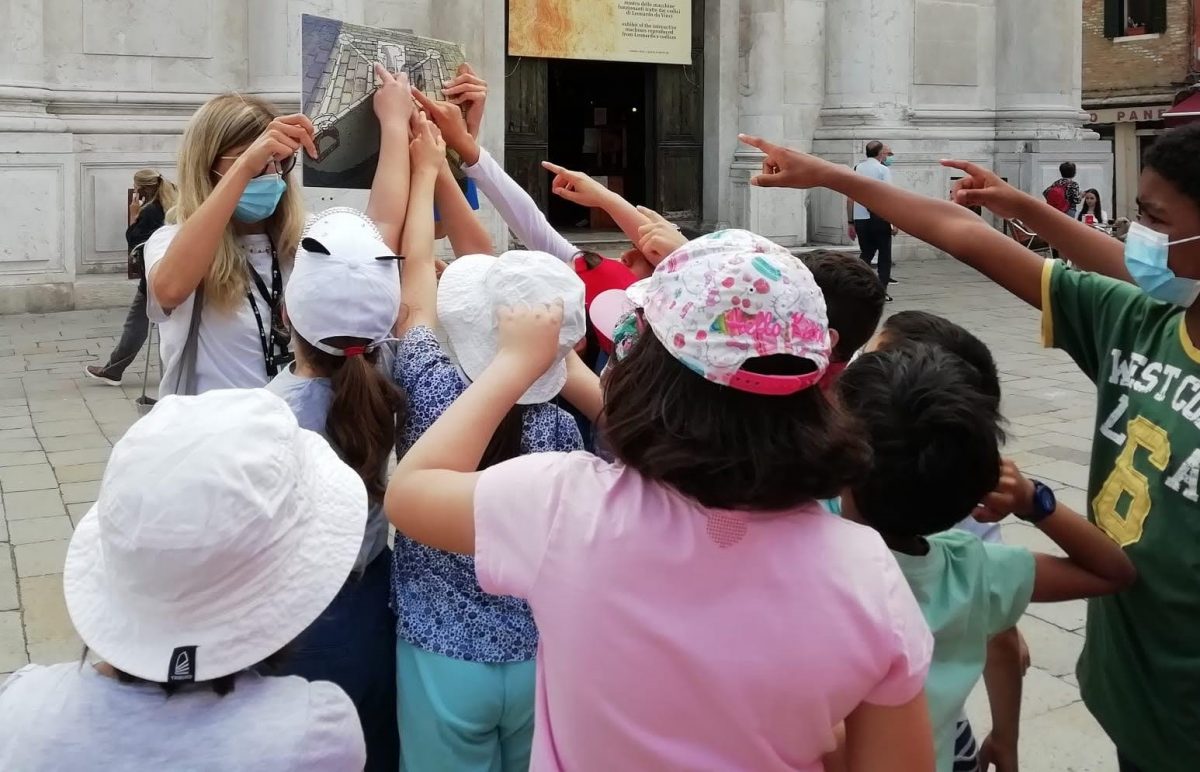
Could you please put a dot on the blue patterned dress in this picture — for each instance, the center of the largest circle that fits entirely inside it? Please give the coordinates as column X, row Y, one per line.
column 438, row 602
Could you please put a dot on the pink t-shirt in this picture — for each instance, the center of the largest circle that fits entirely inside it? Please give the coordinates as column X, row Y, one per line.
column 675, row 637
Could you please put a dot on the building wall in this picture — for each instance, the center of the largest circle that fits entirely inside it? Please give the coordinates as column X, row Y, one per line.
column 1140, row 65
column 92, row 90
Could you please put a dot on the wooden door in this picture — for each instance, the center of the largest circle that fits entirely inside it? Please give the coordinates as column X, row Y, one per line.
column 678, row 144
column 527, row 134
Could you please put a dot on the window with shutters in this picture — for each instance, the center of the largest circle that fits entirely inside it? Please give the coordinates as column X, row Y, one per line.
column 1130, row 18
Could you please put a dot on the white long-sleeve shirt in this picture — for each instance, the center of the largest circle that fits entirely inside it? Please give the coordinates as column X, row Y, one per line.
column 518, row 209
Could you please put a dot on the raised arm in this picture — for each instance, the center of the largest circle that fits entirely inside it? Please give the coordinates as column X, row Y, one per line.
column 943, row 224
column 582, row 389
column 1095, row 564
column 467, row 234
column 1088, row 248
column 389, row 190
column 515, row 206
column 191, row 253
column 428, row 154
column 430, row 497
column 581, row 189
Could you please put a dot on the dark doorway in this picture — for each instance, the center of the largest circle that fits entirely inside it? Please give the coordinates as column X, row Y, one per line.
column 657, row 152
column 598, row 125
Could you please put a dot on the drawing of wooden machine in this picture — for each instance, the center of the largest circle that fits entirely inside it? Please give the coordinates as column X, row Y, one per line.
column 340, row 84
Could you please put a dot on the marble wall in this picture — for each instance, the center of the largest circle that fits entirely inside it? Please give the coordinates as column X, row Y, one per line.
column 997, row 82
column 91, row 90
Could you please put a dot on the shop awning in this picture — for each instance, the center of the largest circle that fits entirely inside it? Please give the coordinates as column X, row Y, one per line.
column 1186, row 111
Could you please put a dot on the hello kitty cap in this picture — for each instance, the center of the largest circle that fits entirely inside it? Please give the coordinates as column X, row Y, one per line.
column 731, row 296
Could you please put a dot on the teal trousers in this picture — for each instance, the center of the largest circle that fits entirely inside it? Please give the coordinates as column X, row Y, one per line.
column 463, row 716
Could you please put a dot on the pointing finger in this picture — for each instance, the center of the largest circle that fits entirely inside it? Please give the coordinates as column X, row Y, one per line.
column 758, row 142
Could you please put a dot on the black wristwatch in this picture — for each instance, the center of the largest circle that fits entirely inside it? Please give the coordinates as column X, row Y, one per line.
column 1044, row 503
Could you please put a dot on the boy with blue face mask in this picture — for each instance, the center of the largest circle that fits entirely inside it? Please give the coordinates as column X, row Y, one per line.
column 1137, row 336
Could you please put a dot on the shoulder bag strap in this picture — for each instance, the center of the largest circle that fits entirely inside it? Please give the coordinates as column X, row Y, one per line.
column 185, row 381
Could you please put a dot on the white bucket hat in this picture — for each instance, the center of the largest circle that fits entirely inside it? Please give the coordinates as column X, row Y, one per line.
column 474, row 286
column 222, row 531
column 344, row 282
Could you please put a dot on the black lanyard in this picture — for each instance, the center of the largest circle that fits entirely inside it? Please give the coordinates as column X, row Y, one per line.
column 278, row 341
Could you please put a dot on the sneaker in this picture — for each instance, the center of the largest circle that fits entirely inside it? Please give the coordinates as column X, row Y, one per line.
column 893, row 280
column 97, row 373
column 887, row 298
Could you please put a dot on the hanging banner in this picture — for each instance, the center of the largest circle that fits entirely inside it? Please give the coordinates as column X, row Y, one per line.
column 649, row 31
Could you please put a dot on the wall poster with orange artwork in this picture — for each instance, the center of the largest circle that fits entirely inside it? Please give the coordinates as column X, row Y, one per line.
column 650, row 31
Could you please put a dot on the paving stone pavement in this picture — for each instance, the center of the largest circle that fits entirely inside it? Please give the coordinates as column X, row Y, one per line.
column 57, row 428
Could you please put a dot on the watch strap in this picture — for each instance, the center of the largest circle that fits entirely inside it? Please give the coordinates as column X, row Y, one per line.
column 1045, row 503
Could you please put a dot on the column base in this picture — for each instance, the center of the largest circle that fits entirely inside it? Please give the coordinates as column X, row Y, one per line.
column 775, row 213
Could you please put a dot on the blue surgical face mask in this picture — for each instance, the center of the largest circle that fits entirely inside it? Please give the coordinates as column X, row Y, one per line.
column 889, row 160
column 1146, row 252
column 260, row 198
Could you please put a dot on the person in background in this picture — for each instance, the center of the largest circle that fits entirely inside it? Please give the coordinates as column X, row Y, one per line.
column 221, row 531
column 153, row 197
column 1071, row 194
column 674, row 588
column 234, row 235
column 1091, row 207
column 874, row 234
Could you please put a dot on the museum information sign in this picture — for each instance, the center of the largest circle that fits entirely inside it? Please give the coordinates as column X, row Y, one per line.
column 651, row 31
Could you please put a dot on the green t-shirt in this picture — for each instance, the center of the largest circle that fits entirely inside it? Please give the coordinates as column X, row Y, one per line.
column 1140, row 668
column 968, row 590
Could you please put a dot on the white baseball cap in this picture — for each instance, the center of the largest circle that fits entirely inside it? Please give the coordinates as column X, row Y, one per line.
column 222, row 531
column 344, row 283
column 473, row 287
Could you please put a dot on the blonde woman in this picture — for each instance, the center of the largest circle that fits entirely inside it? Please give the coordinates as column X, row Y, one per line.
column 154, row 196
column 233, row 235
column 235, row 230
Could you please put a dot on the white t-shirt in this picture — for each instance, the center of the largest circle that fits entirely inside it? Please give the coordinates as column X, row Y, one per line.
column 988, row 532
column 229, row 355
column 518, row 209
column 69, row 716
column 876, row 171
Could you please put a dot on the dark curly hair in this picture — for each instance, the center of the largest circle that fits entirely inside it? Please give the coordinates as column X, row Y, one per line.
column 934, row 437
column 924, row 327
column 854, row 297
column 1173, row 156
column 726, row 448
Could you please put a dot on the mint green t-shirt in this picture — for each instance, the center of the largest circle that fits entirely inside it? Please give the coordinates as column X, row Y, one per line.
column 968, row 590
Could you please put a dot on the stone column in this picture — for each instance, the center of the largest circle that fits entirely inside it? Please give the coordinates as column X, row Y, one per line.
column 1039, row 122
column 37, row 180
column 779, row 96
column 1038, row 70
column 868, row 56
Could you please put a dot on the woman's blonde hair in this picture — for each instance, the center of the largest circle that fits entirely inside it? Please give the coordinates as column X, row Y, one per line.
column 223, row 124
column 156, row 188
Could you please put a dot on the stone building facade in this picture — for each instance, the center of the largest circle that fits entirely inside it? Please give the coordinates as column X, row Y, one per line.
column 92, row 90
column 1132, row 74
